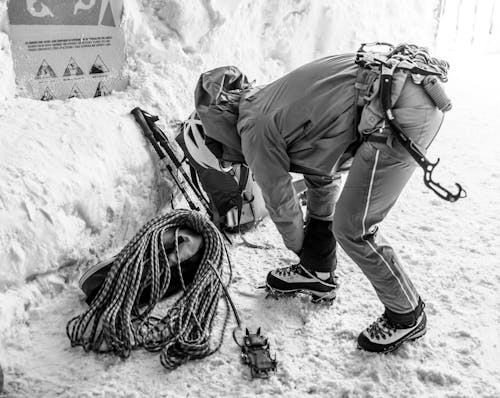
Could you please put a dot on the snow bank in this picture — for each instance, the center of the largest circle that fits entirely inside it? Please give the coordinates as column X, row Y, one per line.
column 64, row 192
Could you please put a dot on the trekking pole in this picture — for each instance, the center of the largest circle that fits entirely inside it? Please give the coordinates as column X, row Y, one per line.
column 160, row 140
column 154, row 135
column 140, row 119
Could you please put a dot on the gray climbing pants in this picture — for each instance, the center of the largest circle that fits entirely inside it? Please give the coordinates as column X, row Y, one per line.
column 377, row 176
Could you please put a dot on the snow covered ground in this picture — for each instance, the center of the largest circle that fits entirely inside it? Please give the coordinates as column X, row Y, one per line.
column 70, row 195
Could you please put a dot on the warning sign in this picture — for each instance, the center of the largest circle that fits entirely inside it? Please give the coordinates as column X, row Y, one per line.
column 98, row 66
column 101, row 90
column 107, row 18
column 73, row 69
column 47, row 95
column 45, row 71
column 75, row 92
column 56, row 43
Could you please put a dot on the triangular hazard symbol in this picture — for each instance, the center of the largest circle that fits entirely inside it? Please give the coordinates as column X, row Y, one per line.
column 98, row 66
column 45, row 71
column 47, row 95
column 75, row 92
column 72, row 69
column 107, row 18
column 101, row 90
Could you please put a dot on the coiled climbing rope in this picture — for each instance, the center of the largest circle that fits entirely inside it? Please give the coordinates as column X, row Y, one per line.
column 115, row 322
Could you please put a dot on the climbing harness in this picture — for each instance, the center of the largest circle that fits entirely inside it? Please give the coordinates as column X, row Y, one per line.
column 424, row 70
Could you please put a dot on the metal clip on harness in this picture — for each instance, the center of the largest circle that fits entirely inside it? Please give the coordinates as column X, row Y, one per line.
column 408, row 144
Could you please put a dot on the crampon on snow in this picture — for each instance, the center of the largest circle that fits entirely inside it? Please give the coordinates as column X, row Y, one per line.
column 255, row 353
column 326, row 299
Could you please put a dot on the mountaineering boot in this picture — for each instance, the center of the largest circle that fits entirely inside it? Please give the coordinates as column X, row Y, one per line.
column 384, row 336
column 296, row 278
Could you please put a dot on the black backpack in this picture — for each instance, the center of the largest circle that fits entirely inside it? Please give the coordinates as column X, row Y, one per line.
column 235, row 199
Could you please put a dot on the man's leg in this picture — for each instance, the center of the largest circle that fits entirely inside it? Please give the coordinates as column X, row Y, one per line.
column 372, row 187
column 376, row 179
column 315, row 272
column 319, row 250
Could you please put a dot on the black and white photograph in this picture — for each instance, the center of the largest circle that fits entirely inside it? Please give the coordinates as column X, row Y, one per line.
column 249, row 198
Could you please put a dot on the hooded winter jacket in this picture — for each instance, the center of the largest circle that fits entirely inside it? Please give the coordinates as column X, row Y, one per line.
column 302, row 122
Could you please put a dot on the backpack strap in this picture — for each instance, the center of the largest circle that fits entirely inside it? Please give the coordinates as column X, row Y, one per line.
column 365, row 90
column 194, row 177
column 243, row 179
column 364, row 85
column 244, row 174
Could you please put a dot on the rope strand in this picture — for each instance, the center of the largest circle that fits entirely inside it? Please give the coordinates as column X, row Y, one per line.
column 115, row 322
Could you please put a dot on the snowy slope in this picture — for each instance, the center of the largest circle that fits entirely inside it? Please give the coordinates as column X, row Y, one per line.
column 77, row 179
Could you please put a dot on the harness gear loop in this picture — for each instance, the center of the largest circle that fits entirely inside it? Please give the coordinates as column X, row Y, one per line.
column 377, row 135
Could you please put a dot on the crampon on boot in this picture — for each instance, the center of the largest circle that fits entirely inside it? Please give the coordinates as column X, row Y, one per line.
column 384, row 337
column 294, row 279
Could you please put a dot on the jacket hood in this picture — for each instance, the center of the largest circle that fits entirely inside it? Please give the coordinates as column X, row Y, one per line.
column 217, row 95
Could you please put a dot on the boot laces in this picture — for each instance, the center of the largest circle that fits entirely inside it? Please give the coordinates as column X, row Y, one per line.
column 288, row 271
column 381, row 328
